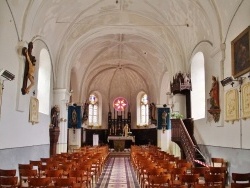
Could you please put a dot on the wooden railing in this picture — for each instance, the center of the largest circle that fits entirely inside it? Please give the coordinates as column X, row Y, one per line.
column 181, row 136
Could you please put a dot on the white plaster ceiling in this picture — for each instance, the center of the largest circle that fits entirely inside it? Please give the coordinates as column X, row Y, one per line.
column 119, row 47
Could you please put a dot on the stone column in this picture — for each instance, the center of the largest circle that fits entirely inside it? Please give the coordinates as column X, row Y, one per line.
column 61, row 98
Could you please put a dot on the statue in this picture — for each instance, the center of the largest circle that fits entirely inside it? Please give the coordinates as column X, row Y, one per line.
column 164, row 118
column 214, row 100
column 29, row 69
column 85, row 112
column 55, row 112
column 125, row 130
column 214, row 94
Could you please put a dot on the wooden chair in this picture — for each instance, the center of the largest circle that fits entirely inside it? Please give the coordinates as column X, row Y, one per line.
column 150, row 172
column 39, row 182
column 43, row 168
column 159, row 181
column 176, row 172
column 64, row 182
column 214, row 179
column 54, row 175
column 188, row 166
column 96, row 167
column 168, row 166
column 9, row 181
column 189, row 179
column 201, row 171
column 239, row 185
column 53, row 164
column 218, row 162
column 25, row 175
column 7, row 172
column 36, row 165
column 143, row 168
column 25, row 166
column 45, row 160
column 240, row 177
column 219, row 170
column 80, row 179
column 87, row 176
column 66, row 168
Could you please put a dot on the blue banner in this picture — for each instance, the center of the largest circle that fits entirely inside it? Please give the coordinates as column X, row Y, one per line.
column 74, row 117
column 163, row 115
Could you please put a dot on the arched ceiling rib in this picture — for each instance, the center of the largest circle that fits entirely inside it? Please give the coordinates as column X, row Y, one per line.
column 92, row 38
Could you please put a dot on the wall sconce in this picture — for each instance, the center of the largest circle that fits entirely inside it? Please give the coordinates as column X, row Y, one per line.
column 230, row 80
column 227, row 81
column 7, row 75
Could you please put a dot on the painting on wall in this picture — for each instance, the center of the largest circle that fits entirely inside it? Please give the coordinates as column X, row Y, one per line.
column 241, row 53
column 245, row 89
column 33, row 111
column 232, row 105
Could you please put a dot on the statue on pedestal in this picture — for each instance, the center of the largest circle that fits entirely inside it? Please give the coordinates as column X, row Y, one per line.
column 55, row 111
column 125, row 130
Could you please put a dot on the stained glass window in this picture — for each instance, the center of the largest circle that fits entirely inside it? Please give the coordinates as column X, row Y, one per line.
column 144, row 109
column 120, row 104
column 93, row 110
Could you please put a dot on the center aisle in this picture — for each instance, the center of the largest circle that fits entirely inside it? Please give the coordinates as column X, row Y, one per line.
column 118, row 173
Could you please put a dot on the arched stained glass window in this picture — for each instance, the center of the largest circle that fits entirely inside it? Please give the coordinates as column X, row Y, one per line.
column 93, row 110
column 144, row 110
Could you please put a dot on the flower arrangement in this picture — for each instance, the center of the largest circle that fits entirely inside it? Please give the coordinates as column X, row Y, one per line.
column 176, row 115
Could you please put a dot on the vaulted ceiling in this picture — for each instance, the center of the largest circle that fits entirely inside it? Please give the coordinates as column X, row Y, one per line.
column 120, row 47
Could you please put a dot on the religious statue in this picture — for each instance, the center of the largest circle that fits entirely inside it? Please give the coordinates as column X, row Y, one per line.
column 214, row 100
column 152, row 111
column 85, row 112
column 125, row 130
column 29, row 69
column 214, row 94
column 164, row 118
column 55, row 112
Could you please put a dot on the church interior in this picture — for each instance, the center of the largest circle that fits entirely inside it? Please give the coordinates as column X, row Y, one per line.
column 170, row 74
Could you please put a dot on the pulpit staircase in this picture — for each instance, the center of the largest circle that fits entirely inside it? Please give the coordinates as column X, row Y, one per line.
column 182, row 135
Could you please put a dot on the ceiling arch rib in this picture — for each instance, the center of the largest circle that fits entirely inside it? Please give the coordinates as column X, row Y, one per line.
column 143, row 33
column 85, row 46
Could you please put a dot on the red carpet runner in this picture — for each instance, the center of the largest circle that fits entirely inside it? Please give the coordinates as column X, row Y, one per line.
column 118, row 173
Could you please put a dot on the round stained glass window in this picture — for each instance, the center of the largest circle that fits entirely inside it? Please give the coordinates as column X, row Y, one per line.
column 120, row 104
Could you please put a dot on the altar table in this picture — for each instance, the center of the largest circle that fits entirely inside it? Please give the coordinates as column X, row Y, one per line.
column 119, row 141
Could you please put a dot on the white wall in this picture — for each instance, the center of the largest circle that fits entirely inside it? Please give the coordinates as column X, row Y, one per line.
column 224, row 134
column 15, row 130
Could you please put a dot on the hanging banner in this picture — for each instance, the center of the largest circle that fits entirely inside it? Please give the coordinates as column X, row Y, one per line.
column 163, row 115
column 74, row 117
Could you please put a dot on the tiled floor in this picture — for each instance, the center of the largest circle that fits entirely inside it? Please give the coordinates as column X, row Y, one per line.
column 118, row 174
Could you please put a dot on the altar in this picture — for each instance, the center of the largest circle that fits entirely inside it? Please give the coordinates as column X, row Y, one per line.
column 120, row 141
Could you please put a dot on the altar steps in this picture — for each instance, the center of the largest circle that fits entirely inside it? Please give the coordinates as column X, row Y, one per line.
column 124, row 153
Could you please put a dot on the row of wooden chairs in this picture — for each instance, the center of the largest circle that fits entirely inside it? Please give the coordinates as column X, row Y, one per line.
column 150, row 162
column 79, row 169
